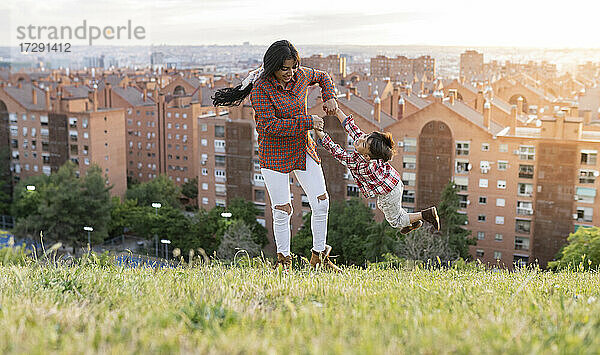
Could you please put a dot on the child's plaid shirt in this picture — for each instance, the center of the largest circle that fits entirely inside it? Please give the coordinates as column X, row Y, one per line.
column 282, row 122
column 373, row 177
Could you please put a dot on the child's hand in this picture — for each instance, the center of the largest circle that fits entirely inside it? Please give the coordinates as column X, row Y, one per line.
column 319, row 134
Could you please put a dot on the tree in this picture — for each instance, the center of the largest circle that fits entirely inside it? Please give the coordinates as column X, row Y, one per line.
column 382, row 239
column 582, row 250
column 160, row 190
column 237, row 237
column 423, row 244
column 347, row 232
column 62, row 205
column 246, row 211
column 453, row 222
column 190, row 189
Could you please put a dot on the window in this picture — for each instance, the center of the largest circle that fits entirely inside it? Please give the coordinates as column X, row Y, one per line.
column 524, row 208
column 24, row 131
column 483, row 182
column 33, row 131
column 501, row 184
column 585, row 194
column 461, row 183
column 480, row 235
column 479, row 253
column 73, row 136
column 73, row 149
column 352, row 191
column 408, row 196
column 485, row 147
column 589, row 157
column 585, row 214
column 204, row 127
column 409, row 162
column 485, row 167
column 525, row 171
column 219, row 144
column 205, row 200
column 409, row 179
column 461, row 166
column 482, row 200
column 219, row 160
column 304, row 199
column 220, row 131
column 523, row 226
column 44, row 120
column 499, row 219
column 463, row 201
column 521, row 243
column 204, row 142
column 526, row 152
column 220, row 173
column 525, row 189
column 502, row 165
column 481, row 218
column 204, row 186
column 410, row 144
column 585, row 176
column 498, row 237
column 497, row 255
column 72, row 122
column 259, row 195
column 503, row 148
column 220, row 190
column 462, row 148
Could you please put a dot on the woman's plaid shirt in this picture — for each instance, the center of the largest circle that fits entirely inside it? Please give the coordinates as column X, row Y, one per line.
column 282, row 122
column 373, row 177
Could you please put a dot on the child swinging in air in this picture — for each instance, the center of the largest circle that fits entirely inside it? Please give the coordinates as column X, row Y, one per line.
column 370, row 167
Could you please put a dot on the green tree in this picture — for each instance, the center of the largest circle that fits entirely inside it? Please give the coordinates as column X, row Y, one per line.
column 62, row 205
column 160, row 190
column 246, row 211
column 347, row 232
column 452, row 222
column 190, row 189
column 581, row 252
column 237, row 237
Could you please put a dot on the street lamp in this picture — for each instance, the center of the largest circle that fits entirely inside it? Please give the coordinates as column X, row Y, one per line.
column 166, row 242
column 226, row 214
column 156, row 206
column 89, row 230
column 30, row 187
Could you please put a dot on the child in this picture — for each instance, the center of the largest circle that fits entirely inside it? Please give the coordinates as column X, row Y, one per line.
column 375, row 176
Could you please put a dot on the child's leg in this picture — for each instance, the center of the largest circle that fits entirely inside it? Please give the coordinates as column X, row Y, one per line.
column 391, row 206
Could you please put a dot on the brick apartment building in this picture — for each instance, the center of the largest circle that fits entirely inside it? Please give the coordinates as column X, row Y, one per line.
column 471, row 65
column 403, row 69
column 48, row 126
column 333, row 64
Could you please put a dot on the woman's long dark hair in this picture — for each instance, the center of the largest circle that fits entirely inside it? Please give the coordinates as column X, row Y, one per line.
column 277, row 53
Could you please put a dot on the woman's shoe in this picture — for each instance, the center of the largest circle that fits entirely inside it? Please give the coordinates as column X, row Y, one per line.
column 323, row 259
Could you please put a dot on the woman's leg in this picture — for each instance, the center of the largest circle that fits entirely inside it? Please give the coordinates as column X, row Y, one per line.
column 278, row 186
column 313, row 183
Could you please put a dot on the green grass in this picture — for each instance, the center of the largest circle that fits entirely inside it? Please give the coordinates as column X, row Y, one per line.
column 229, row 310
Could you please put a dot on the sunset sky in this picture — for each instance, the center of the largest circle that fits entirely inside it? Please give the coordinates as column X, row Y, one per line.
column 554, row 24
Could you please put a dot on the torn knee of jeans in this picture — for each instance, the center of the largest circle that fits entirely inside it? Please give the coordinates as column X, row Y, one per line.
column 322, row 197
column 287, row 208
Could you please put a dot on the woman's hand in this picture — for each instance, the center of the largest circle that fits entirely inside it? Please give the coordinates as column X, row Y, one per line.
column 330, row 106
column 317, row 122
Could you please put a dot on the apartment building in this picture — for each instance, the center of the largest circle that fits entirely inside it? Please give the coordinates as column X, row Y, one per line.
column 48, row 127
column 333, row 64
column 471, row 65
column 403, row 69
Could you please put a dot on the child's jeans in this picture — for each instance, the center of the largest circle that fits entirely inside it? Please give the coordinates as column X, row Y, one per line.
column 391, row 206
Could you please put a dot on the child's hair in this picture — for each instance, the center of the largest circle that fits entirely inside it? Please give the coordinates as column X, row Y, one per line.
column 381, row 146
column 277, row 53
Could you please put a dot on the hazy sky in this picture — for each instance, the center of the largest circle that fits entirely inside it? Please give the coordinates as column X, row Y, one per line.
column 549, row 23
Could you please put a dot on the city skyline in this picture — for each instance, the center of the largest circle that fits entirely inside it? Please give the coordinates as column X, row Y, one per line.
column 458, row 23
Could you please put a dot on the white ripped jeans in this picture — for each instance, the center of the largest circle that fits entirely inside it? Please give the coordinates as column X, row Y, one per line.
column 313, row 184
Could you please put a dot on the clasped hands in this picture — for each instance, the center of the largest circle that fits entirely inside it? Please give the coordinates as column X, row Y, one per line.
column 330, row 107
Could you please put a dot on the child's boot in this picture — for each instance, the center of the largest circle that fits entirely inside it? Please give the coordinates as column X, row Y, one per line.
column 430, row 215
column 411, row 227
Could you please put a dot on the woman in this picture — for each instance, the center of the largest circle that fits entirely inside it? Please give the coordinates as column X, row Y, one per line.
column 278, row 93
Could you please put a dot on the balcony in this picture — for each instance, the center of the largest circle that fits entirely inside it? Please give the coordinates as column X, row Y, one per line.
column 524, row 211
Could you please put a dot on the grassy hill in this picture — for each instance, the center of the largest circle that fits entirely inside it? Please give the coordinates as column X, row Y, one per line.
column 229, row 310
